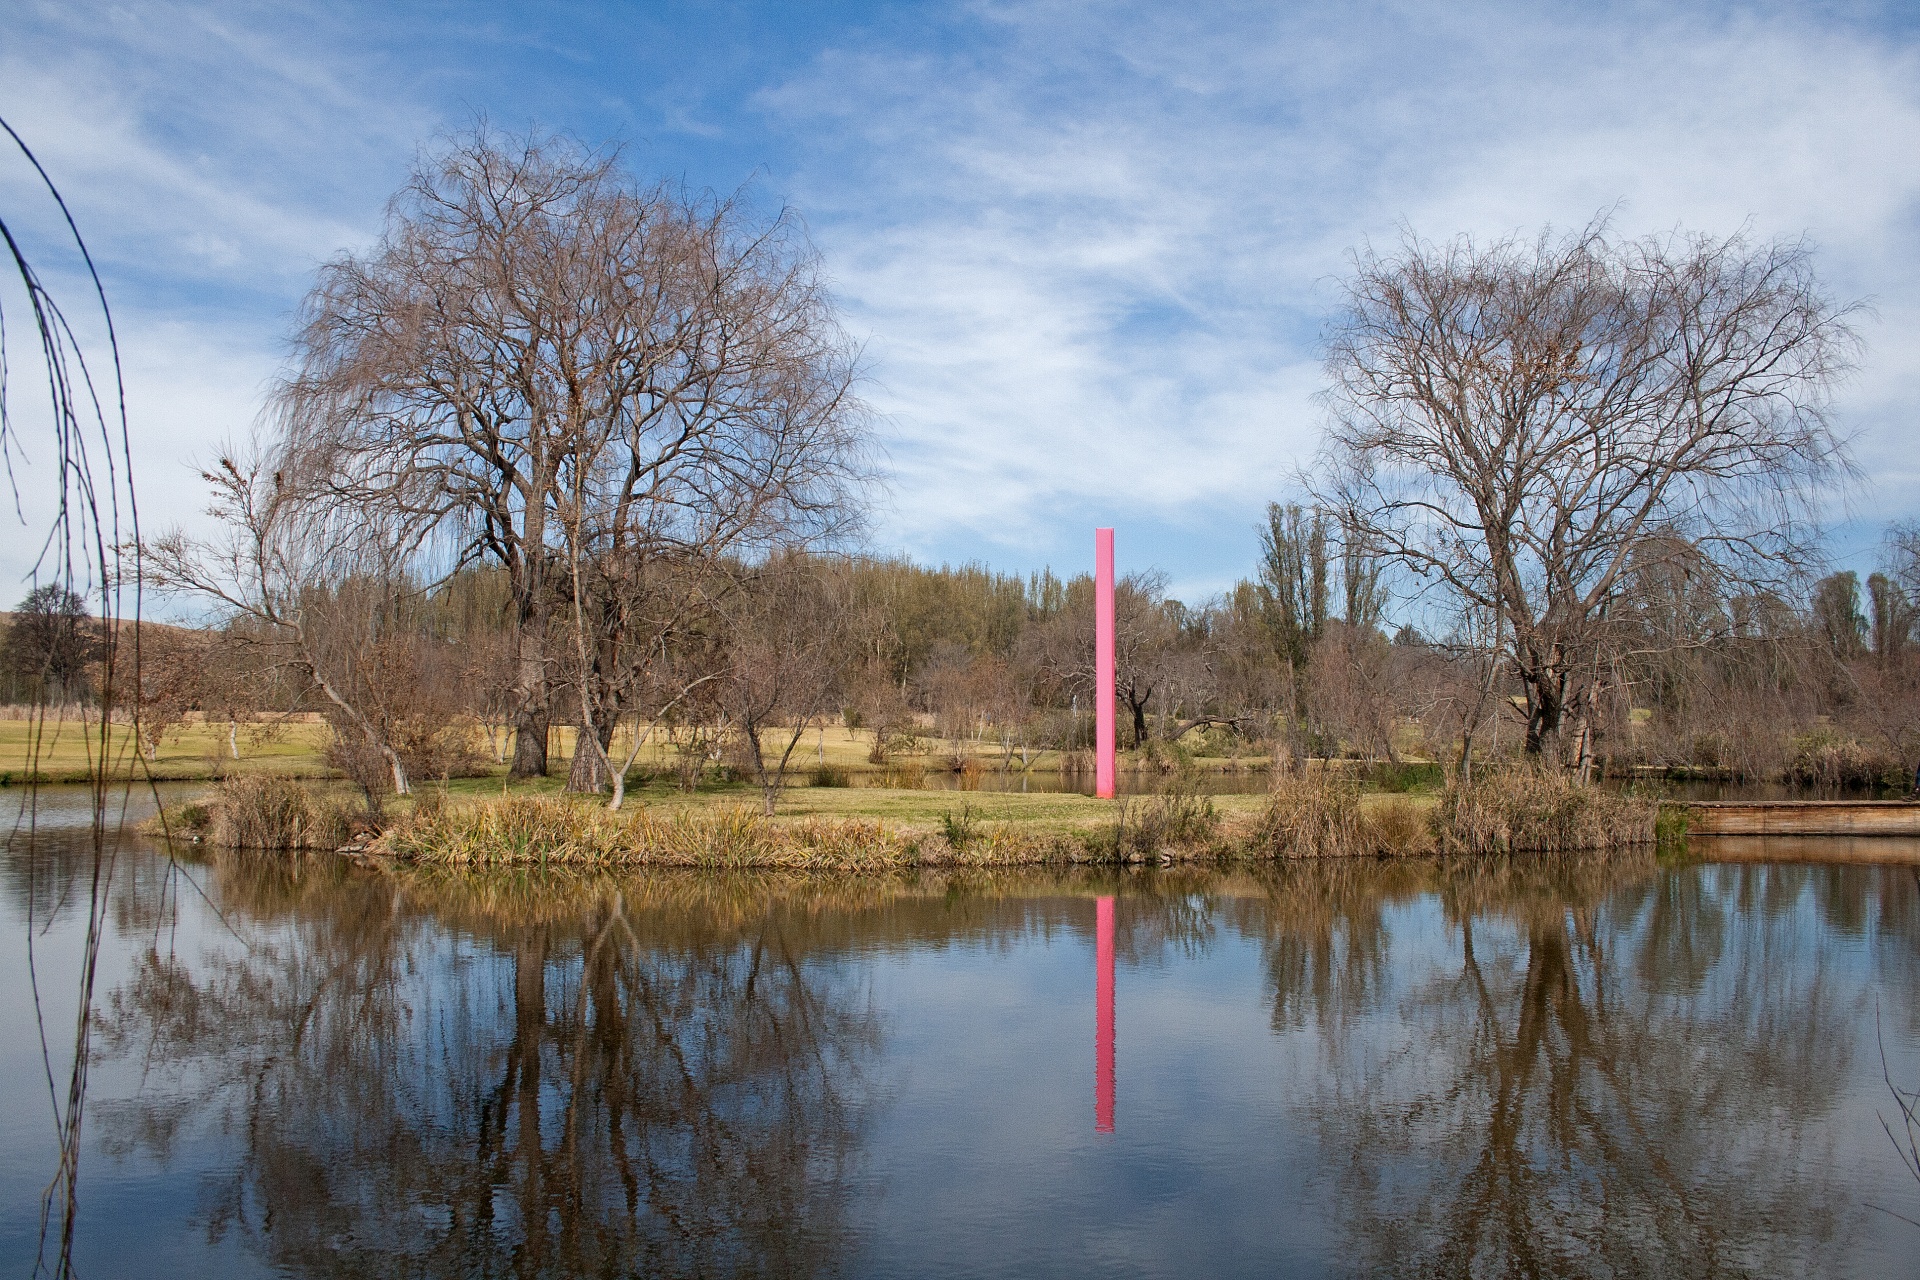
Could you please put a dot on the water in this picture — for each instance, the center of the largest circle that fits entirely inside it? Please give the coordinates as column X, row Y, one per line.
column 1334, row 1068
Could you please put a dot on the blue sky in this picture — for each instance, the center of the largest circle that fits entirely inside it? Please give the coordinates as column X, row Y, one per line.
column 1088, row 247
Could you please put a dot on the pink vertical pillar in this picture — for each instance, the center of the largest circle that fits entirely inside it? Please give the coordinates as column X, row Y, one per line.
column 1103, row 663
column 1103, row 1028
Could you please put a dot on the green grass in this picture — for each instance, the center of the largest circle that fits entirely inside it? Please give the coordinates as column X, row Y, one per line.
column 192, row 753
column 297, row 749
column 916, row 809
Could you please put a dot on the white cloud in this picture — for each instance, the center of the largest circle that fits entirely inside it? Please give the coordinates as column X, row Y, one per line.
column 1095, row 248
column 1090, row 245
column 188, row 149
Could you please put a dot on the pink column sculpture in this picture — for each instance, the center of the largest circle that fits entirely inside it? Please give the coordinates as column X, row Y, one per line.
column 1103, row 677
column 1103, row 1029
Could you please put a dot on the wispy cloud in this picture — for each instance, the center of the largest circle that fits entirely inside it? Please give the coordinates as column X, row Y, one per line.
column 1095, row 244
column 1089, row 245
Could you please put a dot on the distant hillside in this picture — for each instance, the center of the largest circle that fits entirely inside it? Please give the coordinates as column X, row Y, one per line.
column 6, row 620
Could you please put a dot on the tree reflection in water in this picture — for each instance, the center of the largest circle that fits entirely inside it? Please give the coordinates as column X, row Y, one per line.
column 1619, row 1073
column 586, row 1084
column 1535, row 1067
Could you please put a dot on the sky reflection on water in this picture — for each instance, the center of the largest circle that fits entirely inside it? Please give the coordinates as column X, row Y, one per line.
column 1329, row 1068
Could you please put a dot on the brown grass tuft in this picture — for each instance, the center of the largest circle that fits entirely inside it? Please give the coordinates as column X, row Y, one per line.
column 548, row 830
column 1313, row 815
column 1541, row 809
column 265, row 812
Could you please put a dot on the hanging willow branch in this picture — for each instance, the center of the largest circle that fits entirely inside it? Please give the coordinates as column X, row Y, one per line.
column 82, row 552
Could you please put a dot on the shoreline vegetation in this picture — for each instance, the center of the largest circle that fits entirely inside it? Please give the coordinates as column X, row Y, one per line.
column 1312, row 814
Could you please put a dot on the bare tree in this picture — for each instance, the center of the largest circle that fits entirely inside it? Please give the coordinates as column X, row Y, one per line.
column 559, row 366
column 1512, row 422
column 789, row 634
column 52, row 645
column 310, row 576
column 1061, row 646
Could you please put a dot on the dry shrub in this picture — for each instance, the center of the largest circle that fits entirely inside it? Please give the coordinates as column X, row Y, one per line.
column 1180, row 817
column 514, row 829
column 1827, row 760
column 520, row 830
column 906, row 775
column 1321, row 815
column 1400, row 826
column 1313, row 815
column 1539, row 809
column 267, row 812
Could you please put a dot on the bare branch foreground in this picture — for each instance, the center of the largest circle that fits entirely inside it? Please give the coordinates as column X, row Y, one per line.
column 81, row 556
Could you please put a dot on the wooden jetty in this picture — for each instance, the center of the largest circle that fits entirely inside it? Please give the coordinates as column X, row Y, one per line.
column 1803, row 818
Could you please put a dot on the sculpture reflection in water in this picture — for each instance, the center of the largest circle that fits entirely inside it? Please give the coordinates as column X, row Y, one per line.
column 585, row 1084
column 1535, row 1067
column 1103, row 1015
column 1618, row 1073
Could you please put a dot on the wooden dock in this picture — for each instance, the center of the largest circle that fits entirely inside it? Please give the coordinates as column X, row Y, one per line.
column 1803, row 818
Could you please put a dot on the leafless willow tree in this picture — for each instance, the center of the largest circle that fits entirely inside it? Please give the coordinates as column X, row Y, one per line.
column 1514, row 423
column 556, row 366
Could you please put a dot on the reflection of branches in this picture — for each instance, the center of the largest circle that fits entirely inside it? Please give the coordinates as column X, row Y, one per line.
column 569, row 1094
column 1576, row 1093
column 1906, row 1143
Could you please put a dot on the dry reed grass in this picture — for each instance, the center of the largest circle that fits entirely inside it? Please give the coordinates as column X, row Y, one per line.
column 261, row 811
column 1313, row 815
column 545, row 830
column 1539, row 810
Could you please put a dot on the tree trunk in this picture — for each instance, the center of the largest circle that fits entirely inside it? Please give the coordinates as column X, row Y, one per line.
column 1545, row 709
column 532, row 712
column 590, row 773
column 529, row 744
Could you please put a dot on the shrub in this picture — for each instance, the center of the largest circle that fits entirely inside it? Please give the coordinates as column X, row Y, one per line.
column 828, row 775
column 1399, row 826
column 1539, row 808
column 906, row 775
column 1313, row 815
column 1824, row 759
column 959, row 828
column 522, row 830
column 265, row 812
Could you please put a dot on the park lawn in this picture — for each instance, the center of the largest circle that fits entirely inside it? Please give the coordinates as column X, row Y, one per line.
column 192, row 752
column 916, row 809
column 910, row 809
column 189, row 753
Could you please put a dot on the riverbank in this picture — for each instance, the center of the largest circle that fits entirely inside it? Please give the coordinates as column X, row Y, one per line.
column 1317, row 814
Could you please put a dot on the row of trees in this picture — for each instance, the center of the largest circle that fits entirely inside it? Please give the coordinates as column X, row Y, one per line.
column 963, row 662
column 564, row 448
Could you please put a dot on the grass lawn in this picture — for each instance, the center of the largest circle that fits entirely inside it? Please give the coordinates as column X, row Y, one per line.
column 194, row 751
column 197, row 752
column 902, row 807
column 298, row 749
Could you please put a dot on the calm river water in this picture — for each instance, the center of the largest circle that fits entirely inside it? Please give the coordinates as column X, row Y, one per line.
column 1574, row 1068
